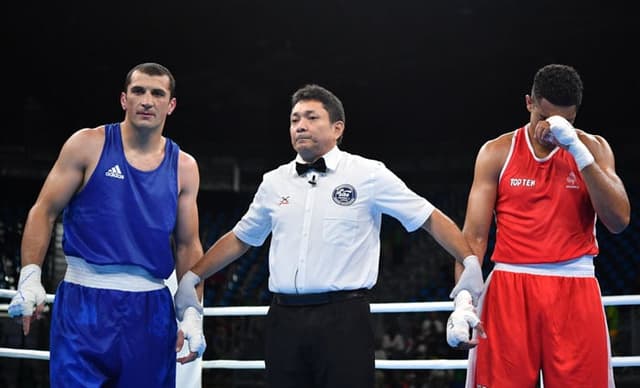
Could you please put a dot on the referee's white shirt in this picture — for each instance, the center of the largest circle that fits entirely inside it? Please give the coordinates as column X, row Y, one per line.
column 326, row 226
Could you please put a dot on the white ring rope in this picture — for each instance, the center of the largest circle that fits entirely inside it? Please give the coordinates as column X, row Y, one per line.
column 393, row 364
column 257, row 364
column 10, row 293
column 616, row 300
column 613, row 300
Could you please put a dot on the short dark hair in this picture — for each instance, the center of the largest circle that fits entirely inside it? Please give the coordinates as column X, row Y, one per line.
column 559, row 84
column 155, row 69
column 329, row 101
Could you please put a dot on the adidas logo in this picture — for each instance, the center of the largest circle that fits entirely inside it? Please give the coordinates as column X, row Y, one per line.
column 114, row 172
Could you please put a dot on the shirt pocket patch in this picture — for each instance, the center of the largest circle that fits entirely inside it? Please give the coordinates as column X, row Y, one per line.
column 339, row 231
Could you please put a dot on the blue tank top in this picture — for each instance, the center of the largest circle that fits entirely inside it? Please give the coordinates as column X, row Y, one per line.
column 124, row 215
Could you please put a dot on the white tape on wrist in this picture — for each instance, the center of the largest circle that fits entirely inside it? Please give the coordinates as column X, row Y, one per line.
column 566, row 136
column 581, row 154
column 30, row 292
column 461, row 319
column 191, row 326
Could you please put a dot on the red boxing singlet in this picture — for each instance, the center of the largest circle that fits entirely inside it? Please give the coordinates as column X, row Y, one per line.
column 543, row 210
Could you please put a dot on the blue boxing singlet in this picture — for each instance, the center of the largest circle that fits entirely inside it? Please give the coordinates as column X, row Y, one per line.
column 124, row 215
column 113, row 323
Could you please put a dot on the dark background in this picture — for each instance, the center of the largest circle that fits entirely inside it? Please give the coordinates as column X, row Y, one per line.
column 424, row 83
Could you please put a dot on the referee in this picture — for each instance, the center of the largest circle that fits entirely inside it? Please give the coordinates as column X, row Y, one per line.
column 324, row 210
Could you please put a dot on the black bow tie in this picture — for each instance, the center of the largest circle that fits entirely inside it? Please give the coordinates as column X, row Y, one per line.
column 319, row 165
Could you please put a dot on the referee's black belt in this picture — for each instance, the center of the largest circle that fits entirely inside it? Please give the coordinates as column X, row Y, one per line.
column 318, row 298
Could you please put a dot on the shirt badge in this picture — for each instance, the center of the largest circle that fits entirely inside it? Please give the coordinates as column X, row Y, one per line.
column 344, row 195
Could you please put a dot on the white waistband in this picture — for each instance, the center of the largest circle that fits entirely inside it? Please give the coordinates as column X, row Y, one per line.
column 582, row 267
column 111, row 277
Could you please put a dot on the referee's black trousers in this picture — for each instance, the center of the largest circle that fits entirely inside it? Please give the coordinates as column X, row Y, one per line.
column 320, row 345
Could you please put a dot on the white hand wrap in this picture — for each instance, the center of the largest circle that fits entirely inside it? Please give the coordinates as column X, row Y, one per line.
column 191, row 326
column 186, row 295
column 30, row 292
column 470, row 280
column 567, row 137
column 461, row 319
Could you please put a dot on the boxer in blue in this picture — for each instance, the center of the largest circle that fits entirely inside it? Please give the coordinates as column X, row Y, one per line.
column 130, row 218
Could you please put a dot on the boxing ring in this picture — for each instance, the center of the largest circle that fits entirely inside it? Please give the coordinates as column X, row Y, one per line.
column 376, row 308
